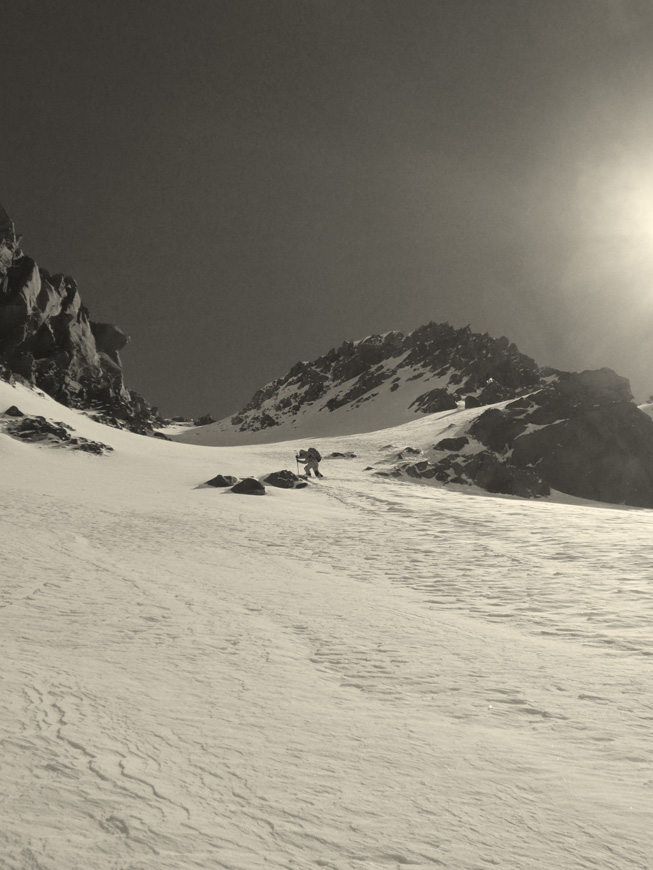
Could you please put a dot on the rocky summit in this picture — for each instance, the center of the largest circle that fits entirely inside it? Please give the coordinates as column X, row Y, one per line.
column 48, row 340
column 381, row 381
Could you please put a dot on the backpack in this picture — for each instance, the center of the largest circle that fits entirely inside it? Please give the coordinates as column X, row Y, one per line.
column 314, row 454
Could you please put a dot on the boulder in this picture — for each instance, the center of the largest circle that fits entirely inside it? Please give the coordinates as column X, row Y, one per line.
column 488, row 471
column 285, row 480
column 13, row 411
column 249, row 486
column 222, row 480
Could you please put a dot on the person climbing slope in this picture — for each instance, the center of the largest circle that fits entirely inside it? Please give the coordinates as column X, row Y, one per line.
column 310, row 459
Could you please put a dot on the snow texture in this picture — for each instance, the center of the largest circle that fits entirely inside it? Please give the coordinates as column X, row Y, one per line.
column 366, row 674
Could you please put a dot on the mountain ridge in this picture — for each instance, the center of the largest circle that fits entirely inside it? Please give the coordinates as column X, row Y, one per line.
column 431, row 369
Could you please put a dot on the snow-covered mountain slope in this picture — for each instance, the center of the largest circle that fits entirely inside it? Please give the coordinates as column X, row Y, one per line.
column 365, row 673
column 379, row 381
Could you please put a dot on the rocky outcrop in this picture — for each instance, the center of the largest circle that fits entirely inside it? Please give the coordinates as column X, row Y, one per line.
column 460, row 362
column 48, row 340
column 47, row 432
column 581, row 434
column 249, row 486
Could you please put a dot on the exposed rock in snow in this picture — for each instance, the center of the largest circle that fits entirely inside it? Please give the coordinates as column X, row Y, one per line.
column 580, row 434
column 222, row 480
column 285, row 480
column 38, row 429
column 379, row 381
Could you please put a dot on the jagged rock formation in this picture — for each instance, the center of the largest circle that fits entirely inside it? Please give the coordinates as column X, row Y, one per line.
column 222, row 480
column 47, row 338
column 580, row 434
column 467, row 363
column 398, row 377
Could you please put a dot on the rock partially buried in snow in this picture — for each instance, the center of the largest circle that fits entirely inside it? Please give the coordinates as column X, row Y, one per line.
column 38, row 429
column 249, row 486
column 285, row 480
column 13, row 411
column 434, row 401
column 222, row 480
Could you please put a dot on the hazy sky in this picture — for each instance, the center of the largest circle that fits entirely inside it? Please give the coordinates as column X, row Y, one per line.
column 240, row 184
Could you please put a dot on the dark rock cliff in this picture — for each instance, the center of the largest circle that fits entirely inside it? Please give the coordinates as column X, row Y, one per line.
column 48, row 339
column 580, row 434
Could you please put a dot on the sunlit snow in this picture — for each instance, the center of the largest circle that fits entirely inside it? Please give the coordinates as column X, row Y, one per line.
column 365, row 673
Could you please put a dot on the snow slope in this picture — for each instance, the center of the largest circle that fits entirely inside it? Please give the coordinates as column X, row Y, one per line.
column 362, row 674
column 383, row 407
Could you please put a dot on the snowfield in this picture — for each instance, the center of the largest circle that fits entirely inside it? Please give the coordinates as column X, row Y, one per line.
column 362, row 675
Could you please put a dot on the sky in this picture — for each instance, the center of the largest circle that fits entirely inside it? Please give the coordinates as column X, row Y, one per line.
column 240, row 184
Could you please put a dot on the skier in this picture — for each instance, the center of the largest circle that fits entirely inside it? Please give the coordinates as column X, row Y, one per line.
column 310, row 459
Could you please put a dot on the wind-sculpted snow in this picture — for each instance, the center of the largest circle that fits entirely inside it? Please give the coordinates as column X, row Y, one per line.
column 362, row 674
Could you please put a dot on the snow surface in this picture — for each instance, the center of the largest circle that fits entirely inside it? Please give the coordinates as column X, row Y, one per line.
column 364, row 674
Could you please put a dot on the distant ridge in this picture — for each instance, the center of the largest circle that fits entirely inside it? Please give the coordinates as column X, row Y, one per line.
column 380, row 381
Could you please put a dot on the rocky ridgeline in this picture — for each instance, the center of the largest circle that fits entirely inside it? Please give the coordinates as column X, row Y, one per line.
column 468, row 365
column 48, row 341
column 580, row 434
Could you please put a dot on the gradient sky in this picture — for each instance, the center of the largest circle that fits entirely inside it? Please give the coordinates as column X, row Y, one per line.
column 241, row 184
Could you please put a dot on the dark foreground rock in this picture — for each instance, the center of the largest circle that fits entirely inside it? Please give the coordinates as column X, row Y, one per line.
column 38, row 429
column 222, row 480
column 581, row 434
column 249, row 486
